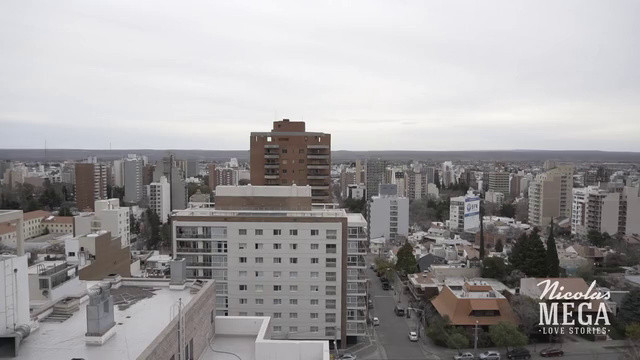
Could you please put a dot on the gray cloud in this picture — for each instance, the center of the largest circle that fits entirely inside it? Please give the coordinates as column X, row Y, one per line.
column 408, row 75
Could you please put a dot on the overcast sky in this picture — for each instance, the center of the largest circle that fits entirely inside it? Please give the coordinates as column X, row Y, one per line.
column 377, row 75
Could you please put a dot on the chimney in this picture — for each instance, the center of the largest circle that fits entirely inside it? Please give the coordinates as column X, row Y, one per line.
column 100, row 315
column 178, row 269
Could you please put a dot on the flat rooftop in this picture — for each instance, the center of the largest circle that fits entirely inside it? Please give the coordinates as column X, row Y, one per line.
column 141, row 313
column 264, row 191
column 261, row 213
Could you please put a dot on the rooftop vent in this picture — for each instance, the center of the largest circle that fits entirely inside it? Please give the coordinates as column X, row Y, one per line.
column 100, row 315
column 10, row 343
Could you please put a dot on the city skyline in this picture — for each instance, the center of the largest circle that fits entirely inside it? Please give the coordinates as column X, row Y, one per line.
column 441, row 77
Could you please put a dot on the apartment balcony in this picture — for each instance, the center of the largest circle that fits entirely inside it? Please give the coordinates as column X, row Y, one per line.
column 271, row 146
column 318, row 156
column 272, row 181
column 271, row 156
column 361, row 289
column 361, row 303
column 318, row 166
column 356, row 264
column 272, row 166
column 356, row 329
column 317, row 177
column 193, row 250
column 318, row 146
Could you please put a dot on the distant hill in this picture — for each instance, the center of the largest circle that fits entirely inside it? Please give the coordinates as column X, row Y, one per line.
column 340, row 155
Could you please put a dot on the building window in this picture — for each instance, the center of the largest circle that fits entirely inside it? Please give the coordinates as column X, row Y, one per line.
column 277, row 232
column 277, row 301
column 314, row 274
column 243, row 301
column 331, row 276
column 277, row 315
column 242, row 287
column 315, row 302
column 330, row 304
column 284, row 150
column 242, row 246
column 330, row 290
column 259, row 246
column 293, row 260
column 332, row 234
column 315, row 232
column 314, row 288
column 277, row 274
column 243, row 260
column 277, row 260
column 277, row 287
column 259, row 274
column 331, row 248
column 242, row 313
column 293, row 329
column 258, row 232
column 277, row 246
column 242, row 232
column 293, row 232
column 293, row 274
column 331, row 262
column 277, row 328
column 293, row 301
column 330, row 317
column 313, row 329
column 315, row 260
column 293, row 288
column 259, row 301
column 259, row 313
column 314, row 315
column 315, row 246
column 242, row 273
column 259, row 288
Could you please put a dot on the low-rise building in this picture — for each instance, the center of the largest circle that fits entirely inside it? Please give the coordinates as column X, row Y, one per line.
column 474, row 304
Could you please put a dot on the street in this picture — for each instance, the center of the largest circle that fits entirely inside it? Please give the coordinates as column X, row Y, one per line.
column 390, row 339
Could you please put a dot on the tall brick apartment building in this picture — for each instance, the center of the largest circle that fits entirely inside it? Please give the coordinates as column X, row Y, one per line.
column 290, row 155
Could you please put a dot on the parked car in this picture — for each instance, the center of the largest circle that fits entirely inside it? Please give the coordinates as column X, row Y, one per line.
column 399, row 310
column 490, row 355
column 347, row 356
column 413, row 336
column 385, row 286
column 370, row 304
column 549, row 352
column 376, row 321
column 519, row 353
column 464, row 356
column 372, row 267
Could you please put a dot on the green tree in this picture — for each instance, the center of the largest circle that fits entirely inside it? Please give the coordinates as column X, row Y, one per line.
column 457, row 341
column 494, row 267
column 165, row 235
column 529, row 255
column 553, row 263
column 508, row 210
column 436, row 178
column 595, row 238
column 527, row 310
column 406, row 263
column 65, row 211
column 49, row 198
column 498, row 247
column 630, row 308
column 633, row 331
column 507, row 335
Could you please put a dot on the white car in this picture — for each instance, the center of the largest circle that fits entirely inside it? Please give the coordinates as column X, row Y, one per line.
column 413, row 336
column 376, row 321
column 490, row 355
column 347, row 356
column 464, row 356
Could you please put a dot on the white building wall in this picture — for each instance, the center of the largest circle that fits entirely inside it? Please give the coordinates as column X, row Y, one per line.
column 388, row 216
column 15, row 292
column 260, row 277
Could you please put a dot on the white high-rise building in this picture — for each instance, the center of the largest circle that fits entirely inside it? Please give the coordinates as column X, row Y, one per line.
column 607, row 208
column 464, row 213
column 108, row 216
column 388, row 214
column 160, row 198
column 273, row 254
column 133, row 189
column 117, row 173
column 550, row 195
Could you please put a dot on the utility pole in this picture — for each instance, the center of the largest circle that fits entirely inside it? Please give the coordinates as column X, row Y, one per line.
column 475, row 341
